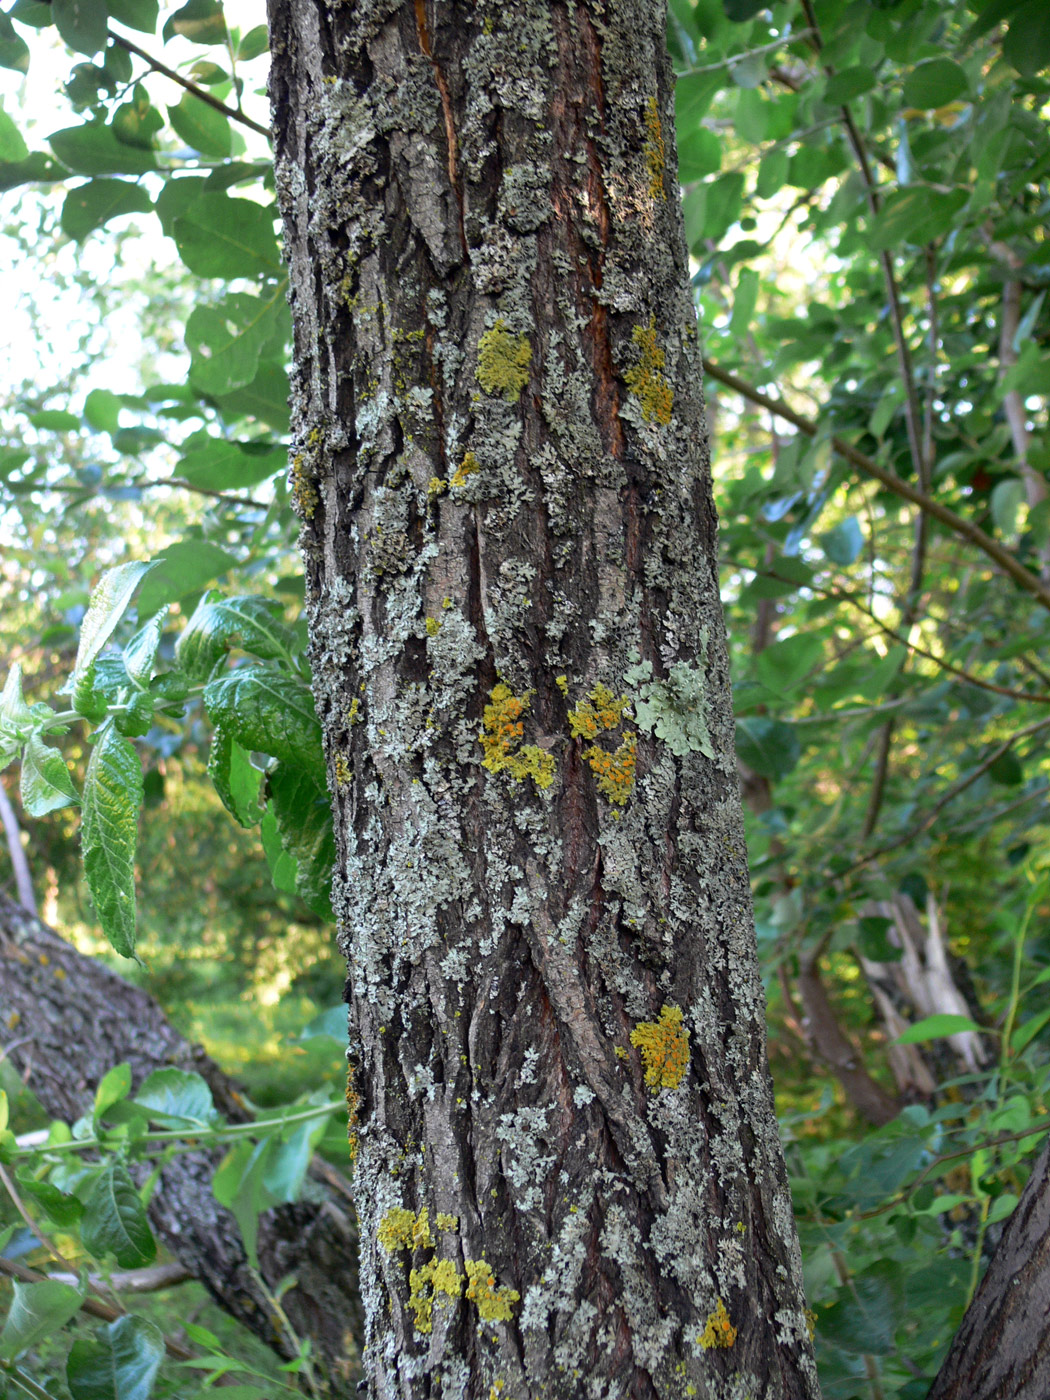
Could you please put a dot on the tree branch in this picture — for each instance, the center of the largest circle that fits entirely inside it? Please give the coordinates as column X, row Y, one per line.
column 956, row 523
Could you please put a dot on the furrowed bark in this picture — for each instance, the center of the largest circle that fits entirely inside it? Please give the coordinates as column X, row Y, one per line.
column 1002, row 1348
column 67, row 1020
column 499, row 458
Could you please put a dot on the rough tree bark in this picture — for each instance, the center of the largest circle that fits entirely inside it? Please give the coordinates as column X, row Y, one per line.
column 66, row 1021
column 1002, row 1348
column 569, row 1179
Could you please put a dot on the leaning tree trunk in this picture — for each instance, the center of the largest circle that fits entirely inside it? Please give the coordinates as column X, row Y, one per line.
column 1002, row 1348
column 569, row 1179
column 66, row 1020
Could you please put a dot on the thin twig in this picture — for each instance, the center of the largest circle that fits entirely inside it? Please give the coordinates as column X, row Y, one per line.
column 158, row 67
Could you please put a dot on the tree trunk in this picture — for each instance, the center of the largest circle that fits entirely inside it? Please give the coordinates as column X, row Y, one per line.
column 569, row 1179
column 1002, row 1348
column 67, row 1020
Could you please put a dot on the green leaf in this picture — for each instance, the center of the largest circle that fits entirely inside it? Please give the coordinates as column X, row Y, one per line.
column 177, row 1095
column 121, row 1363
column 767, row 746
column 184, row 568
column 136, row 14
column 772, row 173
column 63, row 1209
column 331, row 1023
column 110, row 599
column 109, row 832
column 14, row 51
column 37, row 169
column 200, row 21
column 1024, row 1035
column 740, row 10
column 230, row 466
column 101, row 408
column 265, row 398
column 114, row 1086
column 223, row 237
column 55, row 420
column 936, row 1028
column 46, row 784
column 37, row 1310
column 12, row 146
column 847, row 84
column 785, row 665
column 201, row 126
column 916, row 215
column 254, row 43
column 288, row 1162
column 1027, row 43
column 744, row 302
column 935, row 83
column 17, row 720
column 280, row 862
column 235, row 780
column 1008, row 497
column 844, row 542
column 1007, row 770
column 115, row 1220
column 699, row 154
column 81, row 23
column 240, row 1185
column 95, row 150
column 269, row 711
column 225, row 341
column 864, row 1317
column 88, row 207
column 873, row 939
column 251, row 623
column 303, row 812
column 140, row 653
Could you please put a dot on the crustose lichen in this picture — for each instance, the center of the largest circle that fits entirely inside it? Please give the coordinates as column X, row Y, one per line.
column 664, row 1048
column 718, row 1330
column 501, row 735
column 503, row 362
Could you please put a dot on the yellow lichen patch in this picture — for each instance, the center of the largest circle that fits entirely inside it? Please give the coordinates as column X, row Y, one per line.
column 435, row 486
column 664, row 1048
column 718, row 1330
column 646, row 379
column 600, row 710
column 562, row 682
column 304, row 493
column 494, row 1302
column 501, row 735
column 395, row 1229
column 433, row 626
column 436, row 1280
column 466, row 468
column 421, row 1236
column 343, row 773
column 353, row 1103
column 447, row 1222
column 503, row 362
column 655, row 155
column 353, row 714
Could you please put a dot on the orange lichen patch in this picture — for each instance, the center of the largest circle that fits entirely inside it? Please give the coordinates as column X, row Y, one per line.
column 501, row 735
column 494, row 1302
column 646, row 379
column 655, row 154
column 718, row 1330
column 600, row 710
column 615, row 771
column 664, row 1048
